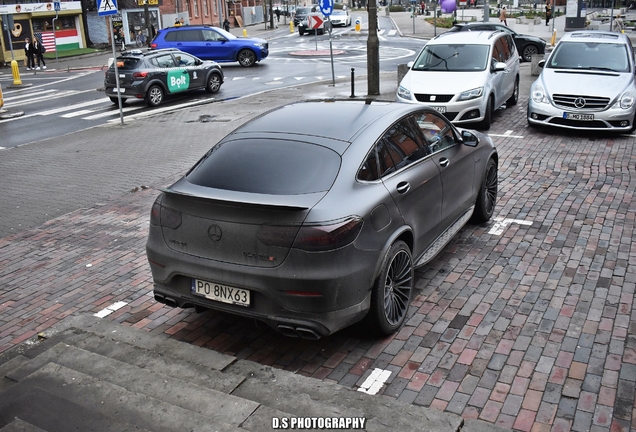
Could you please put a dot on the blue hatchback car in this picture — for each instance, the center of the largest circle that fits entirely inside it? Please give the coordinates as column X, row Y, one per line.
column 212, row 43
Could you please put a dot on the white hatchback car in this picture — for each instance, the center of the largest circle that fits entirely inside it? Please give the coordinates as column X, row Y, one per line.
column 464, row 75
column 587, row 83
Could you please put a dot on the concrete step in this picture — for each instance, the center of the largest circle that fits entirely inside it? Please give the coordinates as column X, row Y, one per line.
column 19, row 425
column 110, row 371
column 45, row 410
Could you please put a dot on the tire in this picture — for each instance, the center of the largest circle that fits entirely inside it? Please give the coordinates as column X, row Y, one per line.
column 392, row 291
column 487, row 198
column 529, row 51
column 512, row 101
column 214, row 83
column 301, row 32
column 487, row 121
column 246, row 58
column 116, row 101
column 154, row 96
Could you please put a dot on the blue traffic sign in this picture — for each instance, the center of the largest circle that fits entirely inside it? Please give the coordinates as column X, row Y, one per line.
column 326, row 7
column 57, row 6
column 106, row 7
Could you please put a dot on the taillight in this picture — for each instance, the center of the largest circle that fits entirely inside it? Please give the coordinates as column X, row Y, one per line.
column 140, row 74
column 164, row 216
column 153, row 46
column 315, row 237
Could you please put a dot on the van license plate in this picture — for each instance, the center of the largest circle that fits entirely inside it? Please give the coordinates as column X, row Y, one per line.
column 222, row 293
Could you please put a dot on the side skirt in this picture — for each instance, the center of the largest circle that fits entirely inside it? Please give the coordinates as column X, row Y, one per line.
column 444, row 238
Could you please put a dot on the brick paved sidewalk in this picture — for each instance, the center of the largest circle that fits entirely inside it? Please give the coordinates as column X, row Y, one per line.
column 530, row 329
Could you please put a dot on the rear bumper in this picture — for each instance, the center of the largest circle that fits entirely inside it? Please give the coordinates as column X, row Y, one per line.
column 323, row 292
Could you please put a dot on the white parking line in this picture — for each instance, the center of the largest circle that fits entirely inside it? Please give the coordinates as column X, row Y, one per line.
column 375, row 381
column 110, row 309
column 501, row 224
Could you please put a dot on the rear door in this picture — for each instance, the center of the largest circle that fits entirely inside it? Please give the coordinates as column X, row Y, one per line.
column 188, row 40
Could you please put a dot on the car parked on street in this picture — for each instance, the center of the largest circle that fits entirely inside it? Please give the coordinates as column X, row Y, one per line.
column 527, row 45
column 212, row 43
column 464, row 75
column 151, row 75
column 311, row 228
column 586, row 83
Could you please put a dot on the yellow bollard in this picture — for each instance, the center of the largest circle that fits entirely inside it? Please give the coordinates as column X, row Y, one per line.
column 553, row 41
column 244, row 32
column 1, row 99
column 16, row 73
column 291, row 26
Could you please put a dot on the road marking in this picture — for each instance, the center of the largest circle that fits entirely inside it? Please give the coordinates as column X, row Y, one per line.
column 76, row 113
column 110, row 309
column 113, row 112
column 506, row 134
column 375, row 381
column 501, row 224
column 72, row 107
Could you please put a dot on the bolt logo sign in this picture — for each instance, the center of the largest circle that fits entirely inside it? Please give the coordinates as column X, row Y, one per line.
column 178, row 81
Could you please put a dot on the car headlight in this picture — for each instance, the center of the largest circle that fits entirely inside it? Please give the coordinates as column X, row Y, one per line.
column 627, row 100
column 260, row 45
column 404, row 93
column 538, row 94
column 471, row 94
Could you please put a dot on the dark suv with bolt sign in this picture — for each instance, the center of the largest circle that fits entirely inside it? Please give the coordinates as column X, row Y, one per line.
column 151, row 75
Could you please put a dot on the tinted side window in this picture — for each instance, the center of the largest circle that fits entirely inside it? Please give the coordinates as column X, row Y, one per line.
column 405, row 143
column 189, row 35
column 511, row 45
column 211, row 35
column 437, row 132
column 171, row 36
column 183, row 59
column 164, row 61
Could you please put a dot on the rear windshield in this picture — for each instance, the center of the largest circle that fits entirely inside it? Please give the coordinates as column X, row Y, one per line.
column 127, row 63
column 453, row 58
column 275, row 167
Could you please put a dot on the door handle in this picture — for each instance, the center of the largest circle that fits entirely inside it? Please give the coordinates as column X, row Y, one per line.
column 403, row 187
column 444, row 162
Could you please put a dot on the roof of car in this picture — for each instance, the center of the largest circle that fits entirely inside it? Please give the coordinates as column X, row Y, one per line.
column 340, row 120
column 140, row 53
column 594, row 36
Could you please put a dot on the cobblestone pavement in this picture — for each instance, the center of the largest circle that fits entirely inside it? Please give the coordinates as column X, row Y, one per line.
column 526, row 322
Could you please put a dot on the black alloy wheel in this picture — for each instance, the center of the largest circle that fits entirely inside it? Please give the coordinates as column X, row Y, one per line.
column 393, row 289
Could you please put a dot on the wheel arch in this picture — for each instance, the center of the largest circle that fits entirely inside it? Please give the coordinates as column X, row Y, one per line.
column 159, row 83
column 404, row 234
column 238, row 51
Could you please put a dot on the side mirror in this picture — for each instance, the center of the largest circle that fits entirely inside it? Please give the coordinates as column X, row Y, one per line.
column 499, row 66
column 409, row 64
column 469, row 138
column 198, row 62
column 541, row 63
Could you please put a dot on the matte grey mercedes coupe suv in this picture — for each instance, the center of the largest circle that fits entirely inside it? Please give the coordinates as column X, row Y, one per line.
column 311, row 226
